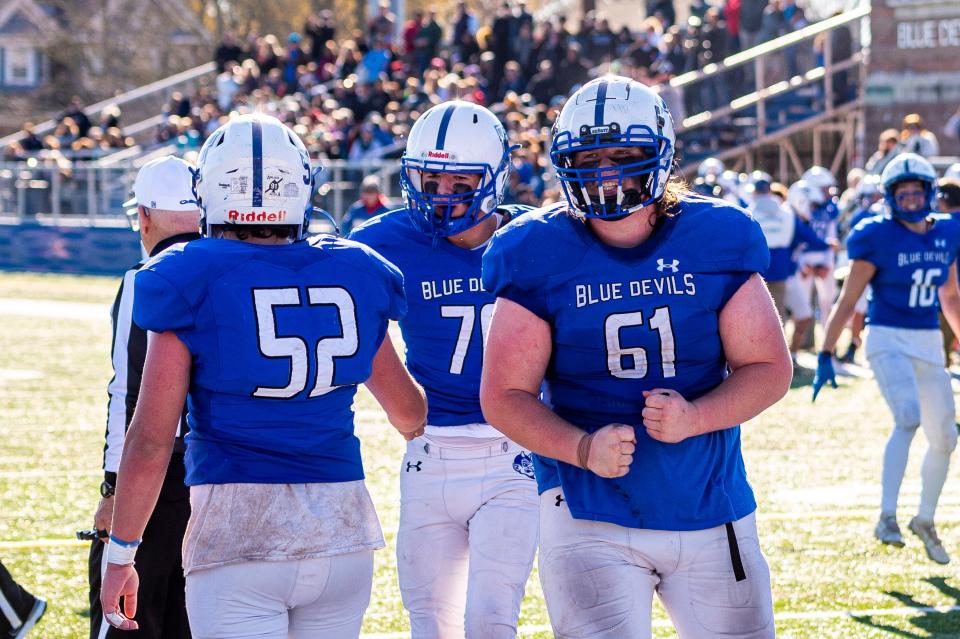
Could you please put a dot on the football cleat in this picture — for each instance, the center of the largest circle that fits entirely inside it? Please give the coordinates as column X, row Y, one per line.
column 927, row 533
column 888, row 531
column 849, row 355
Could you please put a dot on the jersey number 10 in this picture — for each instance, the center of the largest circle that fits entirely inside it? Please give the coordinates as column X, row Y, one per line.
column 659, row 322
column 923, row 293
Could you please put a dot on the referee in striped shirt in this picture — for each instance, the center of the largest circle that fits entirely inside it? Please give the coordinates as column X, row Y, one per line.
column 166, row 214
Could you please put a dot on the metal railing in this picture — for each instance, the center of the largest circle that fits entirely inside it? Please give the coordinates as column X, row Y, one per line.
column 92, row 194
column 759, row 58
column 146, row 93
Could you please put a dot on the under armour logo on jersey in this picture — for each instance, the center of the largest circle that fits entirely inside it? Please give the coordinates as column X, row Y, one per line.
column 673, row 266
column 523, row 464
column 559, row 500
column 940, row 243
column 416, row 466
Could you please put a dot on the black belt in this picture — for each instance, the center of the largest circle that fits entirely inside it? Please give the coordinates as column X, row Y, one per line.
column 735, row 558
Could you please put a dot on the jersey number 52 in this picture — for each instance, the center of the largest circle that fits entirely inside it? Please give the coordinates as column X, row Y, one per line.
column 295, row 348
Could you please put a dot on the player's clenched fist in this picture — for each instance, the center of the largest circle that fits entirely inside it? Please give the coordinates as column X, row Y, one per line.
column 609, row 451
column 668, row 417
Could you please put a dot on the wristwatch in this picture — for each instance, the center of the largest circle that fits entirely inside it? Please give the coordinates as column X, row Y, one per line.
column 107, row 489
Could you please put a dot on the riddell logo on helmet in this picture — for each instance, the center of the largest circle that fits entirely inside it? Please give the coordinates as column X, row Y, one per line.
column 439, row 155
column 256, row 216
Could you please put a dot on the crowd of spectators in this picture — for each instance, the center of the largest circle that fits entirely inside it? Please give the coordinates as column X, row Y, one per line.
column 354, row 94
column 75, row 136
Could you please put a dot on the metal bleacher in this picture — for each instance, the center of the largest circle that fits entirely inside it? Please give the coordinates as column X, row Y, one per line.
column 782, row 120
column 796, row 109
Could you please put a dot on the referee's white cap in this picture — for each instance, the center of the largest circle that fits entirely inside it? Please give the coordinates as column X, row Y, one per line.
column 165, row 183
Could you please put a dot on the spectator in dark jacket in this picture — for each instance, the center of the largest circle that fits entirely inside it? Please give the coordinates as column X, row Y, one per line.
column 228, row 50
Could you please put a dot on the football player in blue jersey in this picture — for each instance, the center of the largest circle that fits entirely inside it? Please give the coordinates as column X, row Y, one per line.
column 267, row 337
column 909, row 259
column 469, row 509
column 639, row 307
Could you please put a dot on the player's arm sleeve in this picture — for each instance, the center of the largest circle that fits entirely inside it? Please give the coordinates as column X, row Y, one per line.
column 510, row 272
column 739, row 253
column 859, row 246
column 397, row 308
column 160, row 306
column 806, row 236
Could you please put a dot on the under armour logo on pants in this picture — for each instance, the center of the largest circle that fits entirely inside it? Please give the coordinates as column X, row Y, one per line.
column 559, row 499
column 414, row 466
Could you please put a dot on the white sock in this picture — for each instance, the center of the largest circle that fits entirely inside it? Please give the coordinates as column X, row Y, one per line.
column 894, row 465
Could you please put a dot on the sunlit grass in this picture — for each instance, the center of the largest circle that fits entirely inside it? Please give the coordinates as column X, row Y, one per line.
column 815, row 469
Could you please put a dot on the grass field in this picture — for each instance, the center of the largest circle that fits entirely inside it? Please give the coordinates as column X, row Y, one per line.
column 815, row 470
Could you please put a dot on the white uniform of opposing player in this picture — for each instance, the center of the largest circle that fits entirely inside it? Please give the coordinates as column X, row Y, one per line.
column 468, row 514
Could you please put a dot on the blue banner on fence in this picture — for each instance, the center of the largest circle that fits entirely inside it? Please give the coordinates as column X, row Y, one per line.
column 68, row 249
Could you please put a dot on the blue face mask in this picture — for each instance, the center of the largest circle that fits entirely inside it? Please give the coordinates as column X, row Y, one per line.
column 581, row 185
column 910, row 215
column 432, row 212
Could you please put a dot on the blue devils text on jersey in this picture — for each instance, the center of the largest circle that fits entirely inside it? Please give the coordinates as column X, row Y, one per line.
column 279, row 336
column 629, row 320
column 911, row 267
column 448, row 316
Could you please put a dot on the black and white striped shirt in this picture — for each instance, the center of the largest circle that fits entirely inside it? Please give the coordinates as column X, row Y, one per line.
column 128, row 352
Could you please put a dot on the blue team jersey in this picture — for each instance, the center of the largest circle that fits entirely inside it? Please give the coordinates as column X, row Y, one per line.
column 877, row 208
column 823, row 220
column 279, row 337
column 911, row 267
column 449, row 313
column 628, row 320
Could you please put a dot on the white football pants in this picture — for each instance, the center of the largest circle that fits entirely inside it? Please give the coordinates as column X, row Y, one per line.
column 797, row 299
column 468, row 534
column 296, row 598
column 909, row 367
column 599, row 578
column 826, row 293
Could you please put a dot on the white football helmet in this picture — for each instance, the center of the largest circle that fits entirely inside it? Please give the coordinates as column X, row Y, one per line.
column 953, row 171
column 613, row 112
column 824, row 180
column 869, row 190
column 908, row 167
column 800, row 197
column 454, row 137
column 710, row 166
column 819, row 177
column 758, row 183
column 254, row 171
